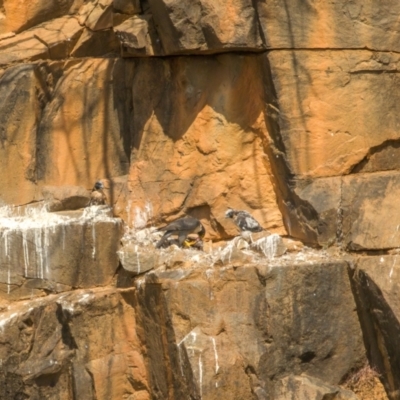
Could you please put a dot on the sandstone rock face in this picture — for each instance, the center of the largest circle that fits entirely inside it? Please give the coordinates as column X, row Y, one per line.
column 356, row 211
column 206, row 26
column 55, row 252
column 202, row 173
column 306, row 387
column 339, row 24
column 286, row 109
column 79, row 345
column 376, row 285
column 17, row 16
column 249, row 326
column 50, row 40
column 318, row 140
column 138, row 37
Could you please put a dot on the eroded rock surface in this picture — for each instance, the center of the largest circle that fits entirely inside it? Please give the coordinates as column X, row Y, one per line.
column 48, row 252
column 287, row 109
column 81, row 344
column 260, row 322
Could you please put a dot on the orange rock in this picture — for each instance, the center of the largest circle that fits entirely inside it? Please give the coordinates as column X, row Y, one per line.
column 206, row 26
column 18, row 16
column 340, row 110
column 199, row 149
column 339, row 24
column 54, row 39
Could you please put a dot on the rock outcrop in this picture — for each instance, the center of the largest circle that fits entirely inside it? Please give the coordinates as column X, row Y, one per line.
column 287, row 109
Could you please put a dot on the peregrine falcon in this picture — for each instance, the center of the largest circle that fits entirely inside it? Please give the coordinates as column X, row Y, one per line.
column 98, row 197
column 243, row 220
column 182, row 227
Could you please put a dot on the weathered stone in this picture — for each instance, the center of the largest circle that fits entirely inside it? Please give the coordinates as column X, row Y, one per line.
column 349, row 211
column 212, row 155
column 232, row 254
column 369, row 213
column 138, row 259
column 60, row 198
column 271, row 246
column 324, row 196
column 95, row 44
column 307, row 387
column 206, row 26
column 138, row 37
column 293, row 245
column 55, row 252
column 50, row 349
column 22, row 47
column 18, row 16
column 338, row 24
column 54, row 39
column 97, row 14
column 236, row 323
column 19, row 108
column 82, row 125
column 376, row 286
column 127, row 6
column 59, row 35
column 340, row 108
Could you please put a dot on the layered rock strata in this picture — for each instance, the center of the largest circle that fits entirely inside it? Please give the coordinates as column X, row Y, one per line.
column 285, row 108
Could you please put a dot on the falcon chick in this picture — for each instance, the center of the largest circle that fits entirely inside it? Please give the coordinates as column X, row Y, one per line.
column 244, row 220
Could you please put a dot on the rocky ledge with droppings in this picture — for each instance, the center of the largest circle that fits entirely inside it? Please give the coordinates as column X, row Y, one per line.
column 45, row 252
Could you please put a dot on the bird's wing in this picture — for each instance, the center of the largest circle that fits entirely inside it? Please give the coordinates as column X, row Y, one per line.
column 182, row 224
column 246, row 222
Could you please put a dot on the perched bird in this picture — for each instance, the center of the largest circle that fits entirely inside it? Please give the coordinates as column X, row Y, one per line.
column 97, row 197
column 182, row 227
column 244, row 220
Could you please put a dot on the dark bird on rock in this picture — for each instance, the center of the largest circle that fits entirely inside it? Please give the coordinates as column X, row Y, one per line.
column 244, row 220
column 182, row 227
column 98, row 197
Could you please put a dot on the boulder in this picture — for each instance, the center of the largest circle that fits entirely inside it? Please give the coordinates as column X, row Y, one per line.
column 137, row 259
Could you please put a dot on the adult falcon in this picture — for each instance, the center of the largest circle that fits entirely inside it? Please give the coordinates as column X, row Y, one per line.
column 182, row 227
column 244, row 220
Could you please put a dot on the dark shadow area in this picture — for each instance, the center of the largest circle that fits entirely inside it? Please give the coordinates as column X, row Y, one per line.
column 63, row 318
column 384, row 157
column 168, row 366
column 300, row 218
column 380, row 328
column 307, row 357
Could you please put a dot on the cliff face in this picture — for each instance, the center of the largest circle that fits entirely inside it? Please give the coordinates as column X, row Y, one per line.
column 287, row 109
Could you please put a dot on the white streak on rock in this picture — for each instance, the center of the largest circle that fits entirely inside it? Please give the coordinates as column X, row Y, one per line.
column 200, row 375
column 215, row 355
